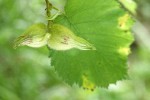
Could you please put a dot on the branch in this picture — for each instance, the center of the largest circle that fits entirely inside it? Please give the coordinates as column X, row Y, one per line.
column 48, row 8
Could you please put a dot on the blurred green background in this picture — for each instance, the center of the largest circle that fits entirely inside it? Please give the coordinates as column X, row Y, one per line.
column 25, row 73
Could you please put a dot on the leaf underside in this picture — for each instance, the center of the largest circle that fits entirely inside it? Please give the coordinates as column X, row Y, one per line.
column 97, row 22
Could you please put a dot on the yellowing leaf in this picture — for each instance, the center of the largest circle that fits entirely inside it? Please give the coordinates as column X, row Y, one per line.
column 97, row 22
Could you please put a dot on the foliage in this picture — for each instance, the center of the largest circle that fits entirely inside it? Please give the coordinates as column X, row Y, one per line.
column 107, row 30
column 80, row 30
column 25, row 73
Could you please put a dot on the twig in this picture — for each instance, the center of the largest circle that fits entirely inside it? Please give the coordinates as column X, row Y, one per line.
column 48, row 8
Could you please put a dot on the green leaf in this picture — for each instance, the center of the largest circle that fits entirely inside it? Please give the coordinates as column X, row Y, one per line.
column 98, row 22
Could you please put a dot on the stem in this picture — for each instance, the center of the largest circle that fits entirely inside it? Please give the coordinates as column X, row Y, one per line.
column 48, row 8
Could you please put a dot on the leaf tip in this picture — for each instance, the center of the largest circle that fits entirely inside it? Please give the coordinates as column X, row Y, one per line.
column 125, row 22
column 87, row 84
column 124, row 51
